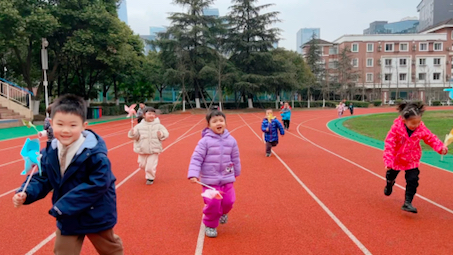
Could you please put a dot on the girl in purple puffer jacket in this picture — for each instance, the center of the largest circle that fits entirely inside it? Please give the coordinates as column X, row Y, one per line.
column 216, row 163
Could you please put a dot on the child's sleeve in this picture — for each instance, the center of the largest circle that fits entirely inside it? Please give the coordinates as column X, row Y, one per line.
column 280, row 127
column 134, row 136
column 236, row 159
column 165, row 133
column 389, row 148
column 432, row 140
column 264, row 126
column 197, row 159
column 84, row 195
column 38, row 188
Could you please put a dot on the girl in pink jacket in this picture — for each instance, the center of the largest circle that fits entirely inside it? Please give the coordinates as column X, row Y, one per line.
column 403, row 151
column 216, row 162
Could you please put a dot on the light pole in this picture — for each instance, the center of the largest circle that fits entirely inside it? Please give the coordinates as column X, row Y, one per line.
column 45, row 67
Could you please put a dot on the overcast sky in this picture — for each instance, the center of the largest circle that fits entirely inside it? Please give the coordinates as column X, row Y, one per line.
column 334, row 17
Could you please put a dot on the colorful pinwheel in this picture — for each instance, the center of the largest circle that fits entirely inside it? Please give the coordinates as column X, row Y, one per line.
column 131, row 113
column 32, row 157
column 210, row 192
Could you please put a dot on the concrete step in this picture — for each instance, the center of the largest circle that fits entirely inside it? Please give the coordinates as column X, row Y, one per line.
column 10, row 123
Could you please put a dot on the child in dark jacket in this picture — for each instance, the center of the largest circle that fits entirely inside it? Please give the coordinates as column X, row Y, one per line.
column 75, row 166
column 270, row 127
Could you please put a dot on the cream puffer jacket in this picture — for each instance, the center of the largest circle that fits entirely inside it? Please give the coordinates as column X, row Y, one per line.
column 146, row 138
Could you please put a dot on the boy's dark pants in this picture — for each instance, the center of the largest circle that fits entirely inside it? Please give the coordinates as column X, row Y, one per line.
column 269, row 146
column 411, row 181
column 286, row 123
column 105, row 242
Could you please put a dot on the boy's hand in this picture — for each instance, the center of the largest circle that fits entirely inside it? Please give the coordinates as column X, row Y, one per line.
column 19, row 199
column 444, row 151
column 193, row 180
column 159, row 134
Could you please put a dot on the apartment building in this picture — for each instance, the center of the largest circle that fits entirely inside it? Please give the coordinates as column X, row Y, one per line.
column 407, row 66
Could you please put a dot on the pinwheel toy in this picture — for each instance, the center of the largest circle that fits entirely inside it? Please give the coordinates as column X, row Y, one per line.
column 448, row 140
column 131, row 113
column 29, row 124
column 210, row 192
column 32, row 157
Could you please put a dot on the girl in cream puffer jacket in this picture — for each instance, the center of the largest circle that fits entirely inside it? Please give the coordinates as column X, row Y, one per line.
column 148, row 136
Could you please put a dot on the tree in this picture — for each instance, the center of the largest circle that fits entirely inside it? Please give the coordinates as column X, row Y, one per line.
column 346, row 74
column 249, row 43
column 317, row 66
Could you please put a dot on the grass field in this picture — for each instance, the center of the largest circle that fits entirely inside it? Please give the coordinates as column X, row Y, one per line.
column 377, row 125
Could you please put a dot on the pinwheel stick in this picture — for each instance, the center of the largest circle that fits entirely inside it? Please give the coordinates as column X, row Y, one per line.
column 29, row 177
column 207, row 186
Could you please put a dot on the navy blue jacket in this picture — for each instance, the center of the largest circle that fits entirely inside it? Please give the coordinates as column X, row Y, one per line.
column 84, row 200
column 274, row 127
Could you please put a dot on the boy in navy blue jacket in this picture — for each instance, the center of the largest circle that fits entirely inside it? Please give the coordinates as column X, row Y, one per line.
column 75, row 166
column 270, row 127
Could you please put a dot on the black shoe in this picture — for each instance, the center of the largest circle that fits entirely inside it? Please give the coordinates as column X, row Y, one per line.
column 408, row 207
column 389, row 188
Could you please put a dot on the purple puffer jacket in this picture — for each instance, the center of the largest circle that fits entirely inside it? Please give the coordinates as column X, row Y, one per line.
column 215, row 160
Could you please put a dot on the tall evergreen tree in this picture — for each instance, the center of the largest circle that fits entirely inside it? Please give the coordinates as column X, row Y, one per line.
column 250, row 39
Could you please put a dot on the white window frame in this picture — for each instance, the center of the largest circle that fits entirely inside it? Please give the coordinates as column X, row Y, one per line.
column 372, row 62
column 389, row 74
column 357, row 62
column 419, row 61
column 407, row 46
column 400, row 61
column 434, row 77
column 369, row 80
column 420, row 46
column 385, row 61
column 352, row 47
column 434, row 61
column 441, row 46
column 424, row 77
column 405, row 77
column 372, row 47
column 393, row 47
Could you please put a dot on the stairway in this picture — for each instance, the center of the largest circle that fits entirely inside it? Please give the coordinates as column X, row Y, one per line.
column 9, row 118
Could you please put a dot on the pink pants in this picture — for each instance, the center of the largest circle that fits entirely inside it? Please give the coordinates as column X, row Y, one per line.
column 214, row 208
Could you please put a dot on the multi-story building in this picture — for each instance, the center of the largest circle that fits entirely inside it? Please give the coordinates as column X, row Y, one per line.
column 122, row 11
column 433, row 12
column 211, row 12
column 304, row 35
column 405, row 26
column 407, row 66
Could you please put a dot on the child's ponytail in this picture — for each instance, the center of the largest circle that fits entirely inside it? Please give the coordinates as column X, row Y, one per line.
column 408, row 110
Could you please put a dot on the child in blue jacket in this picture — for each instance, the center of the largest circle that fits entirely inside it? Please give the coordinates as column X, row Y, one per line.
column 270, row 127
column 75, row 166
column 286, row 115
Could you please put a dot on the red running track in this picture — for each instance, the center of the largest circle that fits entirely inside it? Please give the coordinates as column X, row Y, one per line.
column 317, row 194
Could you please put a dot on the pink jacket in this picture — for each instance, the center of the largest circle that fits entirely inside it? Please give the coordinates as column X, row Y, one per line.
column 403, row 152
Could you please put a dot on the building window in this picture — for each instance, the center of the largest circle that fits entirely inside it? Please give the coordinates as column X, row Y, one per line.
column 403, row 62
column 404, row 47
column 369, row 77
column 436, row 76
column 333, row 64
column 437, row 61
column 369, row 47
column 388, row 77
column 369, row 62
column 423, row 47
column 388, row 62
column 422, row 61
column 355, row 62
column 438, row 46
column 422, row 76
column 333, row 50
column 403, row 76
column 389, row 47
column 355, row 47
